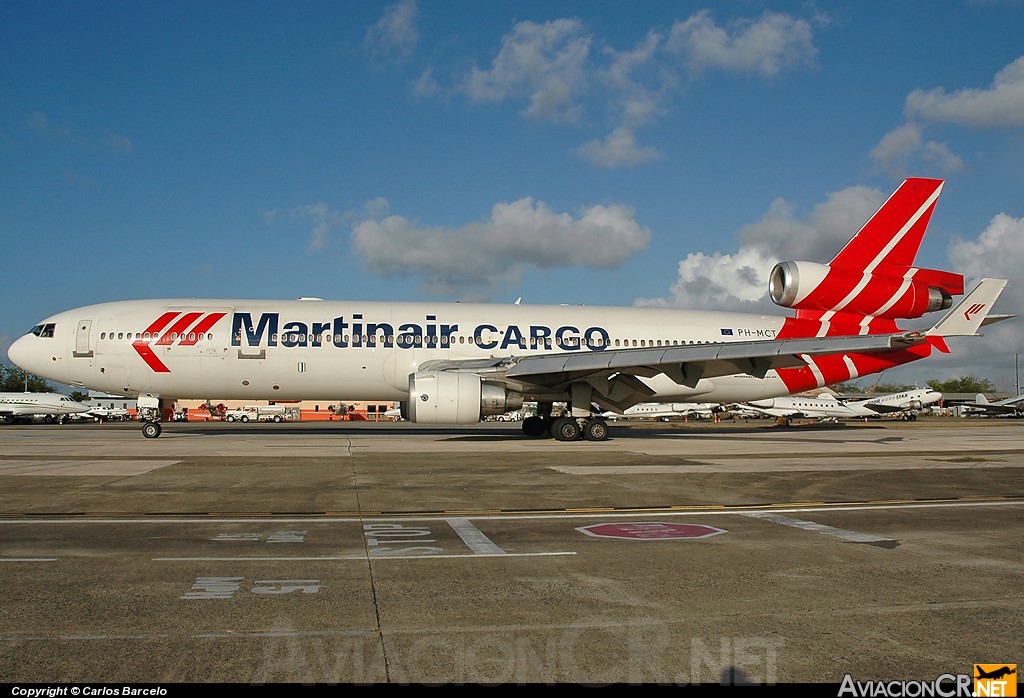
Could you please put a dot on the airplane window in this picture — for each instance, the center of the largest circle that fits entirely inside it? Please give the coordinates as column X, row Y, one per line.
column 47, row 330
column 37, row 330
column 138, row 335
column 191, row 336
column 120, row 335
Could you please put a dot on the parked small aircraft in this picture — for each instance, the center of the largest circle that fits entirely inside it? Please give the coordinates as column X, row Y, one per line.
column 1010, row 407
column 666, row 410
column 829, row 407
column 51, row 407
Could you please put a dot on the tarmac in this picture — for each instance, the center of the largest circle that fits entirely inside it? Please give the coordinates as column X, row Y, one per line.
column 372, row 553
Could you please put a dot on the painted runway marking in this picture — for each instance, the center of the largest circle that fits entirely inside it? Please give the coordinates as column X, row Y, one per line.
column 28, row 559
column 337, row 558
column 472, row 537
column 94, row 468
column 842, row 534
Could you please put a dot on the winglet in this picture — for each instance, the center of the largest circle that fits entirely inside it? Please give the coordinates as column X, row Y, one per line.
column 967, row 316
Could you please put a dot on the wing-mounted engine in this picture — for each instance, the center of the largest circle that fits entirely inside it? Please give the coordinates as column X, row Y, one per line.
column 456, row 397
column 889, row 291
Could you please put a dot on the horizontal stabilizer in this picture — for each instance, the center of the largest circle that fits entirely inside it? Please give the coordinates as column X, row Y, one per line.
column 967, row 316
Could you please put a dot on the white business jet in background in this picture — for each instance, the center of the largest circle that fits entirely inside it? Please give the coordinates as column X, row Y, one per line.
column 51, row 407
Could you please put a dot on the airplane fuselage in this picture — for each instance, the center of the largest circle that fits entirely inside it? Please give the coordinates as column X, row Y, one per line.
column 313, row 349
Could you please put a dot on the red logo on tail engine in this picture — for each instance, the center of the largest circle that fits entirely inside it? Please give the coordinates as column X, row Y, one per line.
column 179, row 332
column 974, row 309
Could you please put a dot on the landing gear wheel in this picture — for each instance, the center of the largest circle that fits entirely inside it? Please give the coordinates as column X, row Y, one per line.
column 565, row 429
column 595, row 430
column 151, row 430
column 534, row 426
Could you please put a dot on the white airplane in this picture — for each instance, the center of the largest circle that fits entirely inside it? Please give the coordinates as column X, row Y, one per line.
column 821, row 407
column 665, row 410
column 109, row 413
column 456, row 363
column 1010, row 407
column 52, row 407
column 829, row 407
column 907, row 403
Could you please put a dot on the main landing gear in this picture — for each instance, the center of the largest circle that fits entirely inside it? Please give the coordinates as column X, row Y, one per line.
column 151, row 430
column 589, row 428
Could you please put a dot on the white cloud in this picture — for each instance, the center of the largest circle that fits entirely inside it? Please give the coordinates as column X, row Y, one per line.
column 563, row 71
column 618, row 149
column 999, row 106
column 765, row 46
column 325, row 221
column 903, row 147
column 426, row 85
column 479, row 259
column 394, row 36
column 545, row 62
column 997, row 252
column 719, row 282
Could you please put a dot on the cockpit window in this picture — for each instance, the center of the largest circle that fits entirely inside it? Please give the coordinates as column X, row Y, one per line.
column 43, row 330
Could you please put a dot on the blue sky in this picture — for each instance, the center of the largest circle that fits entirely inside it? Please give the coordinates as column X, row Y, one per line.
column 603, row 153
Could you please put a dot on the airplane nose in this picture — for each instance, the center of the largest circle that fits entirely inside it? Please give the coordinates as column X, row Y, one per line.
column 20, row 354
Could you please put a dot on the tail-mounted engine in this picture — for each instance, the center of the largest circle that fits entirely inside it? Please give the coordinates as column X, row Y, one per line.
column 890, row 292
column 451, row 397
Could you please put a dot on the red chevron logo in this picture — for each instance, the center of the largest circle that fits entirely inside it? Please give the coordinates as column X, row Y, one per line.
column 178, row 332
column 976, row 308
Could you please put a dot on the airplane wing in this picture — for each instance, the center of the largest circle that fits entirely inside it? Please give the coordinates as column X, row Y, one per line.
column 614, row 373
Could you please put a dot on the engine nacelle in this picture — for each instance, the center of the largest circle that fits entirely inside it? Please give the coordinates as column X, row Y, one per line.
column 813, row 286
column 452, row 397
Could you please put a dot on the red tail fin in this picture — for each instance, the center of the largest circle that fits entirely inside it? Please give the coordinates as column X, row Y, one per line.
column 893, row 235
column 872, row 282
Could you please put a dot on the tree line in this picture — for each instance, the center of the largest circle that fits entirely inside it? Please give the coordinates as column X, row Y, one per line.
column 964, row 384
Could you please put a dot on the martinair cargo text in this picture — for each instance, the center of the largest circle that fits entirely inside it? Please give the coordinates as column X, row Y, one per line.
column 456, row 363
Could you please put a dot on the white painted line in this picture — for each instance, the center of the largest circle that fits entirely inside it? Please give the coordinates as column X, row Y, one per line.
column 472, row 536
column 28, row 559
column 81, row 468
column 649, row 513
column 849, row 536
column 350, row 557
